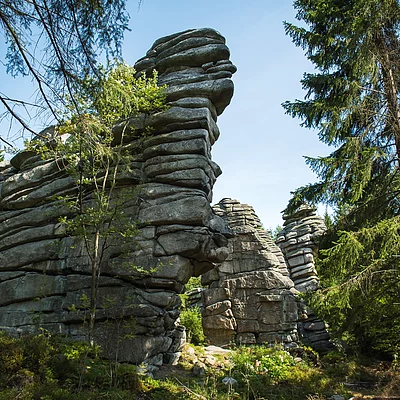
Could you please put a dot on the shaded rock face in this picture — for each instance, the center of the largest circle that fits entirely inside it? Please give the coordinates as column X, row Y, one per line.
column 251, row 298
column 44, row 273
column 299, row 243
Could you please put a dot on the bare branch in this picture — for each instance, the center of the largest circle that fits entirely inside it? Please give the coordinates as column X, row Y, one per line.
column 52, row 37
column 17, row 117
column 28, row 64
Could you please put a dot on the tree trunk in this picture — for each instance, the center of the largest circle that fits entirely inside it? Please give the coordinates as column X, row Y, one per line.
column 388, row 46
column 94, row 286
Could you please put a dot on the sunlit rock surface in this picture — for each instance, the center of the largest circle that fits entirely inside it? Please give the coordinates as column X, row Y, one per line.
column 299, row 243
column 251, row 298
column 44, row 273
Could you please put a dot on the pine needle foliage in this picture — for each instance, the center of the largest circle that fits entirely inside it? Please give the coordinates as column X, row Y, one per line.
column 57, row 43
column 352, row 100
column 361, row 278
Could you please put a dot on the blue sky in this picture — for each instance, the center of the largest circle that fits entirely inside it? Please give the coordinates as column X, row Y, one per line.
column 260, row 149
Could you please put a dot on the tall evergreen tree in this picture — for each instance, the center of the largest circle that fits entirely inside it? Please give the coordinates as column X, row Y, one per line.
column 352, row 100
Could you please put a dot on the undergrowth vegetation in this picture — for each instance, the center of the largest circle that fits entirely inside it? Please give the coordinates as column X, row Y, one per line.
column 190, row 316
column 46, row 367
column 192, row 320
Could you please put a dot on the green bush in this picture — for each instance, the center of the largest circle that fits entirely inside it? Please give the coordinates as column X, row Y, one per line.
column 192, row 320
column 11, row 358
column 193, row 283
column 273, row 362
column 37, row 351
column 49, row 367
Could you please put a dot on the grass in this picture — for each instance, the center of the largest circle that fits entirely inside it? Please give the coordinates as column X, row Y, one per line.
column 44, row 367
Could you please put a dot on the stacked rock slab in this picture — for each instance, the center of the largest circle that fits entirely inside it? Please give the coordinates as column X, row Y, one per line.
column 44, row 273
column 251, row 298
column 299, row 243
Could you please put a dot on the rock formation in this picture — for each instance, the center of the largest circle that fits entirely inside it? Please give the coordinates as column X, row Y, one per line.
column 251, row 298
column 252, row 295
column 299, row 243
column 44, row 273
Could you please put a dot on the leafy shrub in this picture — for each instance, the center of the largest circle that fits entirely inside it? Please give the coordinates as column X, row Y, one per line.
column 194, row 282
column 37, row 352
column 11, row 358
column 192, row 320
column 274, row 362
column 127, row 377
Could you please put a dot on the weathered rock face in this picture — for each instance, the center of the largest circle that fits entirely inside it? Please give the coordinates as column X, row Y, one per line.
column 299, row 243
column 44, row 273
column 251, row 298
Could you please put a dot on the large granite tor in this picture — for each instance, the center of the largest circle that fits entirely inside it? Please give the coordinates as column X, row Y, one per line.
column 44, row 272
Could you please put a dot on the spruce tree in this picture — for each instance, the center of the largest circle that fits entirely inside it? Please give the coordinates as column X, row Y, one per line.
column 352, row 99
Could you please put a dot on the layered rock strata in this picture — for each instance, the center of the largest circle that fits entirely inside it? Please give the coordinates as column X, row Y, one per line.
column 251, row 298
column 195, row 298
column 45, row 273
column 299, row 243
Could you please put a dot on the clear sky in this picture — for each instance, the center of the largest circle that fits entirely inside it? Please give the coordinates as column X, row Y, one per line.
column 260, row 149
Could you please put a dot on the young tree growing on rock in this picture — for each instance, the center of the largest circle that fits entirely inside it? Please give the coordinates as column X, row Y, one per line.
column 87, row 146
column 352, row 100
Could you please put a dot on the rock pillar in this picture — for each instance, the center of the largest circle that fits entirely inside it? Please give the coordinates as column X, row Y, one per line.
column 251, row 298
column 299, row 243
column 45, row 273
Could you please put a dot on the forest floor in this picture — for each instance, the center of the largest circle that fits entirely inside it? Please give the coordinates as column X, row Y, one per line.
column 54, row 368
column 269, row 374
